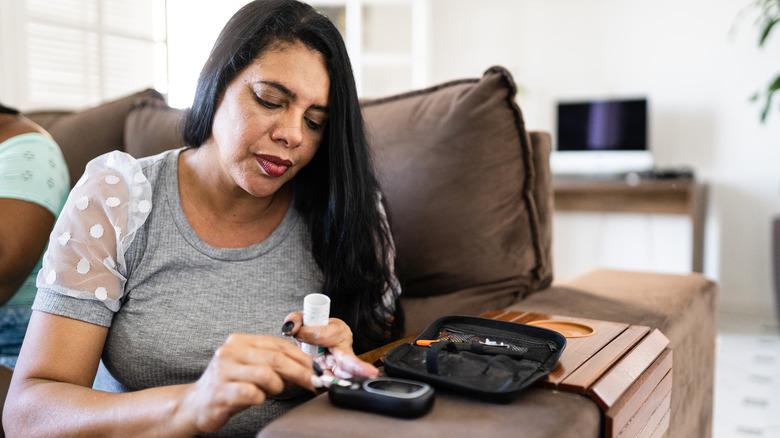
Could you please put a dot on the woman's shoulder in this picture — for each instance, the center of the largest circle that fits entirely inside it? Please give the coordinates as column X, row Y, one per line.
column 162, row 159
column 116, row 181
column 37, row 148
column 118, row 159
column 12, row 125
column 127, row 167
column 33, row 169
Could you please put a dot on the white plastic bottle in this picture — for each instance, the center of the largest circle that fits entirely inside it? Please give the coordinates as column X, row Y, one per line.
column 316, row 311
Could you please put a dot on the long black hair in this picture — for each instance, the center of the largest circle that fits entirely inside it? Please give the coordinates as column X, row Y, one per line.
column 337, row 192
column 8, row 110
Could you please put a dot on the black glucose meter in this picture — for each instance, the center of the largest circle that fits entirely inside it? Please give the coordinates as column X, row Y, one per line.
column 384, row 395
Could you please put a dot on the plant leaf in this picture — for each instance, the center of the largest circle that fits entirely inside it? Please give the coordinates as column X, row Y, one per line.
column 765, row 111
column 775, row 85
column 768, row 25
column 767, row 106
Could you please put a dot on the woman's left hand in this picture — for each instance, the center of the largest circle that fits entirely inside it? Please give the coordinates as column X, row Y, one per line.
column 336, row 337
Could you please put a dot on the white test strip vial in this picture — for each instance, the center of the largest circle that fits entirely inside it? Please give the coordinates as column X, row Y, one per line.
column 316, row 311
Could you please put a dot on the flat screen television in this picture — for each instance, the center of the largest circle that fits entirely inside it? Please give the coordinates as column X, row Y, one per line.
column 608, row 136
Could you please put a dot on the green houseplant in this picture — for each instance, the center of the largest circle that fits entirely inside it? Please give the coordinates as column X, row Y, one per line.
column 769, row 16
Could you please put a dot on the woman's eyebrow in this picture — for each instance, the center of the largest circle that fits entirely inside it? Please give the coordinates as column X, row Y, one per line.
column 291, row 94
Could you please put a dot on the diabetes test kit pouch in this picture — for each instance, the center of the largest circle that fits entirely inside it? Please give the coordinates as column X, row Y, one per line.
column 485, row 358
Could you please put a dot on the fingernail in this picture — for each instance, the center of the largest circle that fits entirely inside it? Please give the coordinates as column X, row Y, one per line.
column 287, row 328
column 316, row 382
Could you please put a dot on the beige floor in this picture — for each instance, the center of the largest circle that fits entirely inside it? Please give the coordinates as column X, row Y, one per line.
column 747, row 378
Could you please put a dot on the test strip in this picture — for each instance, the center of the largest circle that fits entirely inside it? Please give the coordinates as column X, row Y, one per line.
column 327, row 381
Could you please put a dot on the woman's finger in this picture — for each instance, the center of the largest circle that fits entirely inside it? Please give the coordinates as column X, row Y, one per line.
column 297, row 319
column 336, row 334
column 284, row 359
column 345, row 364
column 264, row 377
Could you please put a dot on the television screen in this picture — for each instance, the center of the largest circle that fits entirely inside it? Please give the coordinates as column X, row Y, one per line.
column 603, row 125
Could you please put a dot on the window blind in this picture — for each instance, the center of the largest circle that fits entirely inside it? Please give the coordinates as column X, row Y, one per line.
column 77, row 53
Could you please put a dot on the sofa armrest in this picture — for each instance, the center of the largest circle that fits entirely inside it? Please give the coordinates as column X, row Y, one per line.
column 683, row 307
column 538, row 413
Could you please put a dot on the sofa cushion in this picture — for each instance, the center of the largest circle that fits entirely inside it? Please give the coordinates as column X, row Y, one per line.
column 83, row 135
column 457, row 169
column 152, row 127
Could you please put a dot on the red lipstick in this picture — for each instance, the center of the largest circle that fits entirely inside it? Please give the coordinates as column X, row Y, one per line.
column 273, row 166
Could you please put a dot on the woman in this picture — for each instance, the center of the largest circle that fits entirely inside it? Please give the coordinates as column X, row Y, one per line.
column 34, row 184
column 174, row 272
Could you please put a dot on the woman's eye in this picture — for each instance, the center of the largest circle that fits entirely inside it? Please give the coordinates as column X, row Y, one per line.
column 268, row 104
column 314, row 125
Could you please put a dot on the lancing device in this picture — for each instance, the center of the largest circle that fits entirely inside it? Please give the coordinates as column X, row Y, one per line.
column 316, row 311
column 383, row 395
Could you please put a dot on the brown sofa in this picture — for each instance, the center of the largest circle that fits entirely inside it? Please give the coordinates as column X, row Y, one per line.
column 470, row 203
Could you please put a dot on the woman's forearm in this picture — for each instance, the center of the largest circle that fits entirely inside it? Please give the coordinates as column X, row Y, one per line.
column 47, row 408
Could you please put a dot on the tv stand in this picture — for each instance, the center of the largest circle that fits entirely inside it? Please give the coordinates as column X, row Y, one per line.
column 684, row 196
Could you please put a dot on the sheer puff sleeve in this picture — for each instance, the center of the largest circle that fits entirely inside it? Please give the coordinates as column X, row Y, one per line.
column 85, row 258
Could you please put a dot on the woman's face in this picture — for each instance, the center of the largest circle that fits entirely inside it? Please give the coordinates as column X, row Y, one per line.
column 271, row 118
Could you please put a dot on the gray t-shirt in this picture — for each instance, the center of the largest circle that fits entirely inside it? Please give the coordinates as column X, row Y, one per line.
column 169, row 298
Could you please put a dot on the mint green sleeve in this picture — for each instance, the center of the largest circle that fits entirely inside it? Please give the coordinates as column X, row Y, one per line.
column 33, row 169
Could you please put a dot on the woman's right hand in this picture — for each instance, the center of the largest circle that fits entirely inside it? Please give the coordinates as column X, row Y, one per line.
column 244, row 371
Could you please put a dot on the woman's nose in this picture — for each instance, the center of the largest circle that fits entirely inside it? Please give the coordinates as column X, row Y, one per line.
column 288, row 130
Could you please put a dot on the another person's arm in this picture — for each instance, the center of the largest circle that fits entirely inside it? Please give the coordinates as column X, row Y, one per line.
column 24, row 231
column 24, row 225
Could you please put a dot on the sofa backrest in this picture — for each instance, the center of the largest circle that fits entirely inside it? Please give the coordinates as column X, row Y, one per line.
column 86, row 134
column 468, row 189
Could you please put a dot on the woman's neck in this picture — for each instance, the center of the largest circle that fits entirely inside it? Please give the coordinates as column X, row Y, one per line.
column 226, row 216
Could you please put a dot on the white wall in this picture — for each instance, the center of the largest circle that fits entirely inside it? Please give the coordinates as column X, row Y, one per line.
column 193, row 28
column 698, row 73
column 698, row 63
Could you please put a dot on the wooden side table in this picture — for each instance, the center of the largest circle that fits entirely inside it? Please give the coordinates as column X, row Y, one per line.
column 625, row 369
column 663, row 196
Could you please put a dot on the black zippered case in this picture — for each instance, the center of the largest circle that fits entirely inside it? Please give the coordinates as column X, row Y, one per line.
column 485, row 358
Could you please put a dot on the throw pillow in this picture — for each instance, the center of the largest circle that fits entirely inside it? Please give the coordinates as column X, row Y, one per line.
column 458, row 171
column 152, row 127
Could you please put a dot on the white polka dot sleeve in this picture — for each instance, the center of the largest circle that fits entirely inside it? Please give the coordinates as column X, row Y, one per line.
column 85, row 258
